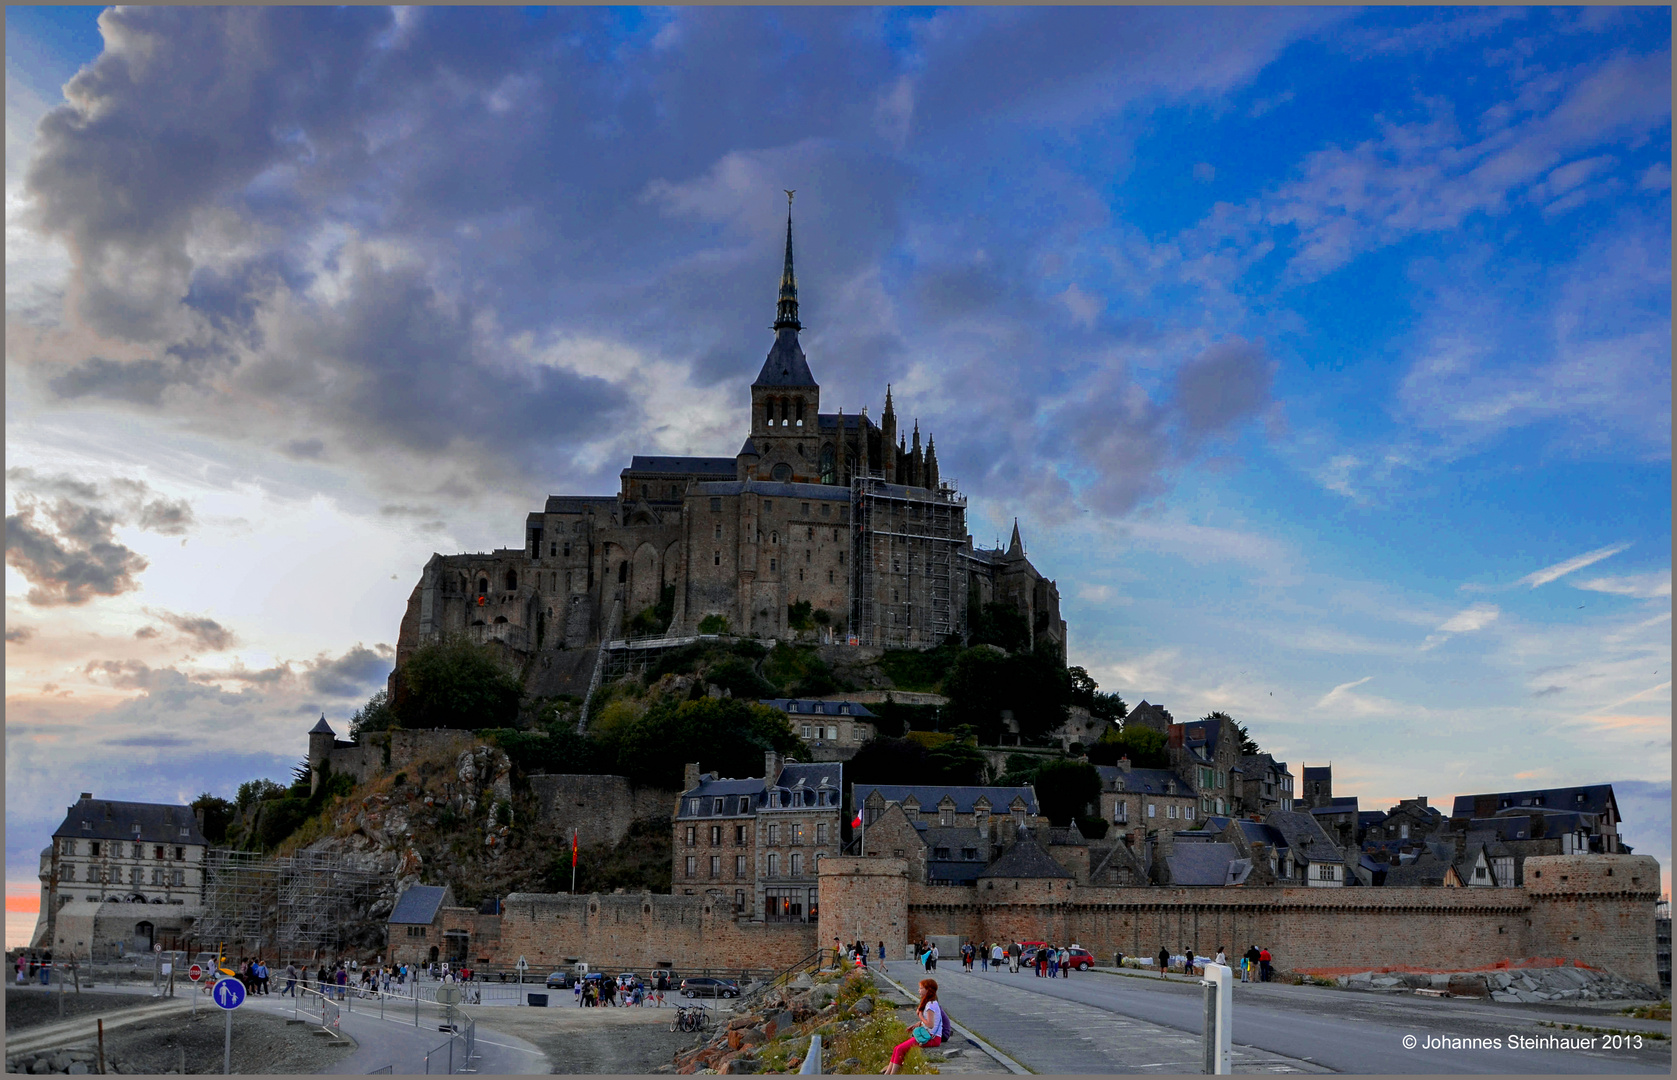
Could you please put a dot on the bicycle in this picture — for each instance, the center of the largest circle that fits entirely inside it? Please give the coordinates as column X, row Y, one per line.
column 690, row 1018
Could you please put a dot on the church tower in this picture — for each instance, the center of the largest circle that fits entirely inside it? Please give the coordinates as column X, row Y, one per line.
column 785, row 400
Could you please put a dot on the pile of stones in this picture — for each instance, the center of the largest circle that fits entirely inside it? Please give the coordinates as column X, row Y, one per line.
column 1530, row 984
column 77, row 1062
column 801, row 1008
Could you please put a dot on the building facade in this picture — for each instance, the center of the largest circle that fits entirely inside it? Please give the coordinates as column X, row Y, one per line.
column 833, row 510
column 120, row 877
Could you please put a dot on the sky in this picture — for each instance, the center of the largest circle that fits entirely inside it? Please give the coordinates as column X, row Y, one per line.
column 1323, row 355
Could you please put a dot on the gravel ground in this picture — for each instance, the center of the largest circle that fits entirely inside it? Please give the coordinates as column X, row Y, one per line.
column 33, row 1008
column 261, row 1044
column 591, row 1040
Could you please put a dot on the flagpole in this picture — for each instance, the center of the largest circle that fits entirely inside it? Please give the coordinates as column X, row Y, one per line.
column 573, row 862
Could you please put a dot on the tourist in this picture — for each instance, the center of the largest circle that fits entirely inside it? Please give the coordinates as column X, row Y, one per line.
column 661, row 987
column 22, row 968
column 1249, row 964
column 931, row 957
column 1118, row 959
column 1164, row 961
column 290, row 981
column 983, row 957
column 343, row 982
column 929, row 1032
column 1065, row 963
column 997, row 956
column 1264, row 965
column 1222, row 957
column 1187, row 960
column 1013, row 952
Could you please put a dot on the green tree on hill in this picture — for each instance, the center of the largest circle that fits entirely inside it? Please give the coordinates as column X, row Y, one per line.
column 453, row 683
column 1143, row 746
column 1067, row 790
column 726, row 736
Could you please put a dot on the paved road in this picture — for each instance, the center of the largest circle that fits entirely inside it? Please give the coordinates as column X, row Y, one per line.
column 1097, row 1020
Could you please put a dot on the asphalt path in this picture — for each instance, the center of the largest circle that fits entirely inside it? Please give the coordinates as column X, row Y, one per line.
column 1339, row 1030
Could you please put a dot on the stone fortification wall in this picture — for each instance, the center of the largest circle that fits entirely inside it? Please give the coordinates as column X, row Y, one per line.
column 1594, row 918
column 600, row 808
column 624, row 932
column 368, row 758
column 865, row 899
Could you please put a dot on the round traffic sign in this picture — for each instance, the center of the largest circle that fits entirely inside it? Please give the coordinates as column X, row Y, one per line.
column 157, row 948
column 448, row 995
column 195, row 972
column 229, row 993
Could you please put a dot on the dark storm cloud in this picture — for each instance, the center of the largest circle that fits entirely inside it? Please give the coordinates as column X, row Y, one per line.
column 407, row 194
column 62, row 538
column 353, row 673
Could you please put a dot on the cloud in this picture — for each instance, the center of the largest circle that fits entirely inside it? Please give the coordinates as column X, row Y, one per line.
column 1641, row 586
column 354, row 673
column 1222, row 386
column 17, row 635
column 203, row 630
column 62, row 536
column 1466, row 621
column 122, row 674
column 1567, row 566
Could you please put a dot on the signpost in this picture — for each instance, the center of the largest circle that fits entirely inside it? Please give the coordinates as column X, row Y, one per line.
column 195, row 972
column 448, row 996
column 229, row 994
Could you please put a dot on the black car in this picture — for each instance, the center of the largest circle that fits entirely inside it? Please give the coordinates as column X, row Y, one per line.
column 706, row 987
column 561, row 980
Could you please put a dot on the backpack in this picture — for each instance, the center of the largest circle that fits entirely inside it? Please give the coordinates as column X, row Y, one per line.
column 945, row 1030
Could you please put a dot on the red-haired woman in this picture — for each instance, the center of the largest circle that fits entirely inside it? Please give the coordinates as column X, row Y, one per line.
column 930, row 1018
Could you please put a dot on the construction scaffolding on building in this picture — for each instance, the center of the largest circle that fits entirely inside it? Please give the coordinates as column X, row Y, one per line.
column 293, row 905
column 907, row 584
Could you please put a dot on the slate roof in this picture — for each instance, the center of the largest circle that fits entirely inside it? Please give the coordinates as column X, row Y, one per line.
column 1426, row 870
column 1367, row 819
column 1153, row 716
column 807, row 707
column 578, row 504
column 793, row 776
column 106, row 819
column 722, row 466
column 809, row 776
column 1025, row 859
column 785, row 365
column 1207, row 864
column 1261, row 761
column 419, row 904
column 1590, row 799
column 1145, row 781
column 1304, row 836
column 1346, row 804
column 749, row 447
column 830, row 420
column 956, row 839
column 1256, row 832
column 1202, row 733
column 929, row 795
column 321, row 727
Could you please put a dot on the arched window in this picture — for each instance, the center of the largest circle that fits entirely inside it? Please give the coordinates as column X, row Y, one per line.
column 512, row 580
column 774, row 538
column 768, row 412
column 781, row 472
column 829, row 462
column 798, row 404
column 482, row 585
column 622, row 572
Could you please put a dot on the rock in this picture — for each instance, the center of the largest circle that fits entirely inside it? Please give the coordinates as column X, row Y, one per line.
column 863, row 1007
column 1362, row 977
column 741, row 1065
column 1438, row 980
column 802, row 982
column 1499, row 980
column 61, row 1062
column 1503, row 995
column 78, row 1068
column 1466, row 986
column 955, row 1053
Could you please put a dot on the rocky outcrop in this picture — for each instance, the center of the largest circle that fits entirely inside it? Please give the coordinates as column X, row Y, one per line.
column 1515, row 984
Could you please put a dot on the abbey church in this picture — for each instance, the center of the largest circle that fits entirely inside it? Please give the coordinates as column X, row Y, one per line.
column 837, row 511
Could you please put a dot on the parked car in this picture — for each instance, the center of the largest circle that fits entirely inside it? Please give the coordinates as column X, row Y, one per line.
column 627, row 980
column 561, row 980
column 706, row 987
column 1080, row 959
column 652, row 976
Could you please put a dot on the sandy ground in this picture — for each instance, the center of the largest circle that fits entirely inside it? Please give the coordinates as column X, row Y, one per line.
column 591, row 1040
column 33, row 1008
column 261, row 1044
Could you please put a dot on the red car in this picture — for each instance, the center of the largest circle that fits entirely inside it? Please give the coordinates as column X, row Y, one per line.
column 1078, row 959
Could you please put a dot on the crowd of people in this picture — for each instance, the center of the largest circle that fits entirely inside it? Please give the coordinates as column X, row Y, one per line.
column 628, row 991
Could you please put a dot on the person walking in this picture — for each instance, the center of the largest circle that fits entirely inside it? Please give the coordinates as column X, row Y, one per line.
column 931, row 958
column 1188, row 960
column 290, row 981
column 1164, row 961
column 1065, row 963
column 983, row 957
column 1249, row 967
column 1013, row 952
column 1222, row 957
column 930, row 1030
column 1264, row 967
column 663, row 985
column 997, row 956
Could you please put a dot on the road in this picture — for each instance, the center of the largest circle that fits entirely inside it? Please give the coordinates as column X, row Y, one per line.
column 1103, row 1022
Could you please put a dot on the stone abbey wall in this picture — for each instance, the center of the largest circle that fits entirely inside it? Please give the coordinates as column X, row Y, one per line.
column 600, row 808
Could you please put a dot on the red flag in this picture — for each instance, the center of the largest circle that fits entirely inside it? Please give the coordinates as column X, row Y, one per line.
column 573, row 850
column 857, row 824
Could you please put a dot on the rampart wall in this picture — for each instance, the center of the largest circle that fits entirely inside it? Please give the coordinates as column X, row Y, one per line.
column 1594, row 917
column 637, row 932
column 600, row 808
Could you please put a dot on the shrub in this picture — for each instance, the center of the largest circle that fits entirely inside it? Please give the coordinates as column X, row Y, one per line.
column 713, row 624
column 453, row 683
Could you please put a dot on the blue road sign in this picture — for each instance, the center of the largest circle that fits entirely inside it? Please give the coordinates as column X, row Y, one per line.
column 229, row 993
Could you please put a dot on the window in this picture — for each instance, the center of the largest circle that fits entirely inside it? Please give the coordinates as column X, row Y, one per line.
column 806, row 731
column 156, row 875
column 783, row 905
column 94, row 849
column 820, row 833
column 1121, row 815
column 716, row 806
column 1403, row 830
column 739, row 830
column 771, row 564
column 739, row 866
column 768, row 504
column 745, row 805
column 797, row 864
column 180, row 854
column 797, row 834
column 692, row 865
column 716, row 866
column 716, row 836
column 774, row 865
column 692, row 806
column 774, row 835
column 512, row 580
column 940, row 853
column 67, row 872
column 718, row 558
column 739, row 899
column 774, row 537
column 1170, row 812
column 1189, row 811
column 136, row 852
column 1150, row 810
column 717, row 531
column 136, row 876
column 716, row 506
column 692, row 835
column 969, row 853
column 826, row 511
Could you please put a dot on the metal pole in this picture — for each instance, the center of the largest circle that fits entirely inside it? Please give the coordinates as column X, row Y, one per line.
column 227, row 1047
column 1208, row 1038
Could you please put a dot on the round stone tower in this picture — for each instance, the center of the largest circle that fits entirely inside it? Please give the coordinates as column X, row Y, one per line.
column 321, row 741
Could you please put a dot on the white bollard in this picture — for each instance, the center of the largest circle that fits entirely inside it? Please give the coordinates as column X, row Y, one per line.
column 812, row 1060
column 1219, row 1032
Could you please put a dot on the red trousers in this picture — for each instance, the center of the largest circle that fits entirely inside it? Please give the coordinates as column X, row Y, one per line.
column 903, row 1048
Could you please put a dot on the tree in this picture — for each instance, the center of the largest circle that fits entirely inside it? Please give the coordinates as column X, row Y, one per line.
column 1086, row 692
column 1000, row 624
column 1144, row 747
column 727, row 736
column 453, row 683
column 1248, row 745
column 1067, row 789
column 907, row 761
column 218, row 815
column 984, row 682
column 373, row 716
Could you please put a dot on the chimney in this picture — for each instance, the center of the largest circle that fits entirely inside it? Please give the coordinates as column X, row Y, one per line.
column 771, row 766
column 1421, row 799
column 690, row 776
column 87, row 795
column 198, row 816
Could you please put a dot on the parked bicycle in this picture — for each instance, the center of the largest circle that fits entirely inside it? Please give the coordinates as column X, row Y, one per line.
column 690, row 1018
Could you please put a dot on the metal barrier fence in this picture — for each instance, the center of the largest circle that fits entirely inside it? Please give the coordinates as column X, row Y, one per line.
column 454, row 1055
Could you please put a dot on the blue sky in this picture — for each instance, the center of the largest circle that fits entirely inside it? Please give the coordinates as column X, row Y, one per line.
column 1324, row 355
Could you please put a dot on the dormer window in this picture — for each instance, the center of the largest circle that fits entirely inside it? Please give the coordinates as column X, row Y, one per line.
column 135, row 828
column 791, row 706
column 692, row 806
column 717, row 807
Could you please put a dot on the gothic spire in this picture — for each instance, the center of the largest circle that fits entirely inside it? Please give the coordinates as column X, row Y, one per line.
column 786, row 313
column 1016, row 546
